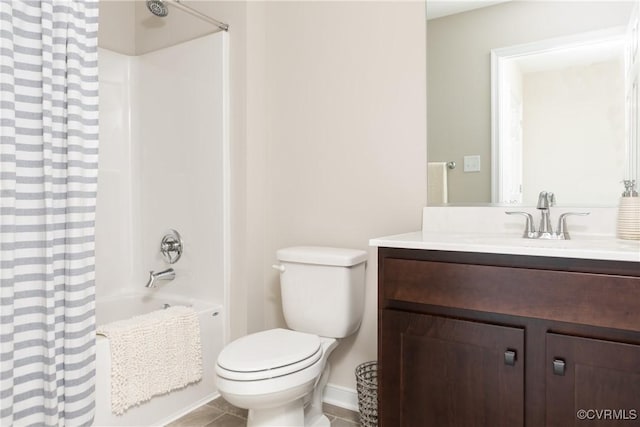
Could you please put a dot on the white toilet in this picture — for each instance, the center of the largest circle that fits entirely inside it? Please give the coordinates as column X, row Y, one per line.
column 279, row 375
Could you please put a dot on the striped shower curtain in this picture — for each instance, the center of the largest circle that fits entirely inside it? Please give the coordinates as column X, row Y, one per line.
column 48, row 178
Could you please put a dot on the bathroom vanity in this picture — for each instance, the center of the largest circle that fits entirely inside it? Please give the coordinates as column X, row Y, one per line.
column 504, row 334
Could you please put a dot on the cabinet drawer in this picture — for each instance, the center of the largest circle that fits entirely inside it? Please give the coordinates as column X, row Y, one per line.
column 594, row 299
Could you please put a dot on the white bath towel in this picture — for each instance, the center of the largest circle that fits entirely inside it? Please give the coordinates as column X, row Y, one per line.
column 153, row 354
column 437, row 185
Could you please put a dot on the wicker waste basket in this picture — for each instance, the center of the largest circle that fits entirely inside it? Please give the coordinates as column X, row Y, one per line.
column 367, row 385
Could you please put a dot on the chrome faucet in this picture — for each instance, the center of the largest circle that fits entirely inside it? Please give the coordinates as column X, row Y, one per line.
column 546, row 199
column 168, row 274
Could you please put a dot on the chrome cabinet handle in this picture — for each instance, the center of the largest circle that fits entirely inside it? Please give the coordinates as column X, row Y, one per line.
column 510, row 357
column 559, row 367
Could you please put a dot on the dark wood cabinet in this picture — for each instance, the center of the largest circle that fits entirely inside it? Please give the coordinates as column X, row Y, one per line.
column 595, row 382
column 501, row 340
column 464, row 373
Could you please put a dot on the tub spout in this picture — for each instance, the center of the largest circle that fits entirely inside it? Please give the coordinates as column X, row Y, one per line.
column 168, row 274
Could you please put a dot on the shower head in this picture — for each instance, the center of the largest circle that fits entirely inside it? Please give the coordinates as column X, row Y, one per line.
column 158, row 8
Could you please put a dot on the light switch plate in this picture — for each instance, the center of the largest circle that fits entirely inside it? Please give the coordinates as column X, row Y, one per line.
column 472, row 163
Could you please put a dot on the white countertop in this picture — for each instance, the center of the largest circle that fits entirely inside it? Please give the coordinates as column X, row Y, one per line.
column 582, row 246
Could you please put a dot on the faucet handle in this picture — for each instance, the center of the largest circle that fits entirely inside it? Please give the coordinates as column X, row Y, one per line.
column 529, row 230
column 563, row 232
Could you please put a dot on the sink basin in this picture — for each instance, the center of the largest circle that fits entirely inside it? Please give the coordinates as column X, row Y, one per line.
column 521, row 241
column 578, row 242
column 580, row 246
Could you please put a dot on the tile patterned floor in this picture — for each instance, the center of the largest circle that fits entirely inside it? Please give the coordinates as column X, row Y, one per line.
column 220, row 413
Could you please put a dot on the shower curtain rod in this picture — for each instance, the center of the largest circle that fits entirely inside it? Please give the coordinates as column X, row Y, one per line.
column 178, row 4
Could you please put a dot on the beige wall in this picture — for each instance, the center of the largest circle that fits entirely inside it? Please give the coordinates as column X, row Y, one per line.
column 345, row 139
column 328, row 134
column 459, row 75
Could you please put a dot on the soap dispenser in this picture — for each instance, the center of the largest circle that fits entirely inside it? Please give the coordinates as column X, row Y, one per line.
column 629, row 212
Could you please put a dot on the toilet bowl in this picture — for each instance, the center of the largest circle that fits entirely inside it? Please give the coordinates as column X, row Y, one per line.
column 272, row 373
column 279, row 375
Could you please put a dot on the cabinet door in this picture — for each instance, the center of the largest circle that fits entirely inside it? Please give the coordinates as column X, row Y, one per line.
column 436, row 371
column 595, row 382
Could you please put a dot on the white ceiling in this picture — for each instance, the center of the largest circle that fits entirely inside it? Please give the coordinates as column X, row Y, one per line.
column 440, row 8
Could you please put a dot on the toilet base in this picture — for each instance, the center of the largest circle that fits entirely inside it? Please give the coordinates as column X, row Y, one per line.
column 321, row 421
column 289, row 415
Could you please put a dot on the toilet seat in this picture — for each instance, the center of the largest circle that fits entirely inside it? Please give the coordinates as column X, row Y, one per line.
column 268, row 354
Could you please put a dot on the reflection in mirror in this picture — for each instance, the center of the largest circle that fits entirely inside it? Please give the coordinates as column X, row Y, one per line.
column 563, row 119
column 574, row 118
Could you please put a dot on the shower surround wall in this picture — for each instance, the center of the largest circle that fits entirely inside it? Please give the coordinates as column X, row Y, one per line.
column 117, row 248
column 181, row 126
column 164, row 165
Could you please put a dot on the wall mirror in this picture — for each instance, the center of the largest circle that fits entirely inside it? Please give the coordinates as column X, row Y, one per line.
column 528, row 95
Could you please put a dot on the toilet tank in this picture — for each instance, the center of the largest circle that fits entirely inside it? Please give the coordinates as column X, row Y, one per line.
column 322, row 289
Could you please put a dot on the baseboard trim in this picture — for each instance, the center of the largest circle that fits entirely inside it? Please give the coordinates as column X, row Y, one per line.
column 343, row 397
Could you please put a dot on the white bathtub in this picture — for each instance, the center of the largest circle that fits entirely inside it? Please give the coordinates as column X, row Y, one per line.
column 162, row 409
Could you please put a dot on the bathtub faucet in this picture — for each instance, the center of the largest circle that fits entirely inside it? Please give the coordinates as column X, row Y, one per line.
column 167, row 274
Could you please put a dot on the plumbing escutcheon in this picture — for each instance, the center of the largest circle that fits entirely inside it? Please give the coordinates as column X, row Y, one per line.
column 171, row 246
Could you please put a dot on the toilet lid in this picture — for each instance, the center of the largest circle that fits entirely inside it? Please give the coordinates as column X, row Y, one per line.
column 269, row 350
